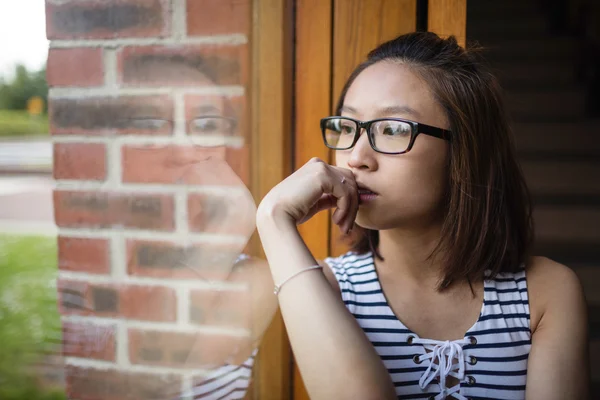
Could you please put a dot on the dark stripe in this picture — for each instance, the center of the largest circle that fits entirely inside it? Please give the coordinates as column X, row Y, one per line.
column 231, row 382
column 406, row 370
column 365, row 265
column 503, row 316
column 498, row 330
column 359, row 257
column 393, row 344
column 347, row 269
column 498, row 345
column 416, row 396
column 248, row 366
column 503, row 359
column 364, row 292
column 216, row 378
column 366, row 316
column 386, row 330
column 358, row 282
column 362, row 273
column 505, row 290
column 397, row 357
column 498, row 373
column 498, row 387
column 510, row 280
column 506, row 302
column 407, row 383
column 347, row 264
column 366, row 304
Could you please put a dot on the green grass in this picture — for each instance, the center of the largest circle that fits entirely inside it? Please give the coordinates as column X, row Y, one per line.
column 20, row 123
column 29, row 319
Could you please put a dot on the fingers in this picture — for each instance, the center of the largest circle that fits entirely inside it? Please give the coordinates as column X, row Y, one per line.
column 344, row 189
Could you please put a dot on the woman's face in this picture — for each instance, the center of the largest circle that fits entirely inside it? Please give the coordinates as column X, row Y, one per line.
column 410, row 186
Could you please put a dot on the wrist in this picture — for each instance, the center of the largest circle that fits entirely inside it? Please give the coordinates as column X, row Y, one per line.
column 270, row 214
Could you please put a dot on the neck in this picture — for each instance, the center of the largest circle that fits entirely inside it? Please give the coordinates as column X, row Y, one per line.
column 406, row 253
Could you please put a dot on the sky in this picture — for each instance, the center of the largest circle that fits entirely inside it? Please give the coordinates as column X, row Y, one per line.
column 22, row 35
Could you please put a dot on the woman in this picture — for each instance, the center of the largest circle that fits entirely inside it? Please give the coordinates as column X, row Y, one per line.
column 439, row 297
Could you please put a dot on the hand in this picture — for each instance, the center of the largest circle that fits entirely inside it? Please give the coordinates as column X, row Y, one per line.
column 315, row 187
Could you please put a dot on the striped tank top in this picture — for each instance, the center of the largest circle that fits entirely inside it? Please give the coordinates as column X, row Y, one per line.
column 490, row 362
column 229, row 382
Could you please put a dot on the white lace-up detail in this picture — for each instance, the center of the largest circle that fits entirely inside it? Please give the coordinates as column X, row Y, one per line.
column 445, row 359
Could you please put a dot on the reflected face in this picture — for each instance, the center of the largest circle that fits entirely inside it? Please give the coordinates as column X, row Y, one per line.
column 410, row 186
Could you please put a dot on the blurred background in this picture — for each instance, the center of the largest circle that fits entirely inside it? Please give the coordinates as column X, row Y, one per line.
column 281, row 64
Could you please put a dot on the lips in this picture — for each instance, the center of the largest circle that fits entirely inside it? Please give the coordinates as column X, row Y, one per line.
column 362, row 189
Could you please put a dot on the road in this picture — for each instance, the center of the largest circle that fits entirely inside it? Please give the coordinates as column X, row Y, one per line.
column 26, row 204
column 31, row 155
column 26, row 187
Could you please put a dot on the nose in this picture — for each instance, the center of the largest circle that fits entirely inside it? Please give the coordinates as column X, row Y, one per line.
column 362, row 156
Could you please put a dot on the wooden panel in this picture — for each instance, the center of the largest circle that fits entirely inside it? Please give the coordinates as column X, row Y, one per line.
column 272, row 58
column 448, row 17
column 359, row 26
column 313, row 100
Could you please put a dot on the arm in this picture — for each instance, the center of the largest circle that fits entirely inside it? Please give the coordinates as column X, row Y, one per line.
column 558, row 363
column 334, row 356
column 257, row 309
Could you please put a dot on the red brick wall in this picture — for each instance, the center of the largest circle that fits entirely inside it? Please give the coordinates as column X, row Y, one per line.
column 149, row 213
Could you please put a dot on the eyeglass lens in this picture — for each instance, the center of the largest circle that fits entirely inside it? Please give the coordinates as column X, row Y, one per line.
column 388, row 136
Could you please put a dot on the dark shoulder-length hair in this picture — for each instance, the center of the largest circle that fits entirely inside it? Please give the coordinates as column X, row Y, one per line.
column 487, row 222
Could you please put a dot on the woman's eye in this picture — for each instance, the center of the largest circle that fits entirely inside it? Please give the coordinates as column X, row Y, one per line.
column 213, row 126
column 205, row 125
column 347, row 129
column 396, row 130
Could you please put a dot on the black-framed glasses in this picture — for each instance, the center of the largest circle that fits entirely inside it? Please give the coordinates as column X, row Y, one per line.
column 386, row 135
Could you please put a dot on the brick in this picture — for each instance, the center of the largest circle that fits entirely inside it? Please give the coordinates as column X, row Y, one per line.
column 126, row 115
column 75, row 67
column 86, row 340
column 197, row 65
column 144, row 303
column 80, row 161
column 107, row 384
column 228, row 309
column 213, row 17
column 73, row 209
column 170, row 261
column 199, row 106
column 111, row 19
column 233, row 213
column 191, row 165
column 84, row 255
column 182, row 350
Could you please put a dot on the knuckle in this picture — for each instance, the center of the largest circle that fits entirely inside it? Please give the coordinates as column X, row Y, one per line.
column 320, row 168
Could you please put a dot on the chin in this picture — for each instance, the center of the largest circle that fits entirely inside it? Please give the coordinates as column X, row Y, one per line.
column 383, row 222
column 375, row 222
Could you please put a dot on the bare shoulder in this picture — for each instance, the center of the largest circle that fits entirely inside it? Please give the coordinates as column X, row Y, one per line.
column 554, row 290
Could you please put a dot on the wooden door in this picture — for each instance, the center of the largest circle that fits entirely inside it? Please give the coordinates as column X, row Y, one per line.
column 331, row 38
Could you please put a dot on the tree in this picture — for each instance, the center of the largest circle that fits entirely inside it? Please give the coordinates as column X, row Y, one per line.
column 25, row 84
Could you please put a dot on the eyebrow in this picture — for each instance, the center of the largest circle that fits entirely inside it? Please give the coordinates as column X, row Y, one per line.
column 207, row 109
column 386, row 111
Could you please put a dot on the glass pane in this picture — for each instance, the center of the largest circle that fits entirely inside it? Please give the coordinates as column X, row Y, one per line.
column 124, row 266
